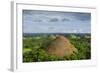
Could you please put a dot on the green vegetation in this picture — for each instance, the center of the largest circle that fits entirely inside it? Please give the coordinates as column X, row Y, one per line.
column 34, row 47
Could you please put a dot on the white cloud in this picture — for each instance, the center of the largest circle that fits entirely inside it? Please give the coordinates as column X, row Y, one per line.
column 39, row 21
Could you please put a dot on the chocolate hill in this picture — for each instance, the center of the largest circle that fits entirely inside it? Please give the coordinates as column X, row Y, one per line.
column 61, row 47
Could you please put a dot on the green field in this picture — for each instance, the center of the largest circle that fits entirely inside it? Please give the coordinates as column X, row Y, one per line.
column 34, row 48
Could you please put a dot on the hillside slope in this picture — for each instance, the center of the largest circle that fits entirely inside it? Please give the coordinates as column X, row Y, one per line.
column 61, row 47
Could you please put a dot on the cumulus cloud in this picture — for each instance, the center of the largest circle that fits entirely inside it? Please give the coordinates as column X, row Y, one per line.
column 51, row 21
column 54, row 20
column 82, row 16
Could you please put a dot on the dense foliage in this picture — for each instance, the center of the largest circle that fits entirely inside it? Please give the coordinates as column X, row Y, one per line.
column 34, row 47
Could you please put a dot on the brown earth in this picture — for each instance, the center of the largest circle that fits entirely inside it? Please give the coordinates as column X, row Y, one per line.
column 61, row 47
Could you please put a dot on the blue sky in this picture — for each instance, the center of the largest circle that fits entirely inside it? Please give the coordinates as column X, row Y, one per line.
column 35, row 21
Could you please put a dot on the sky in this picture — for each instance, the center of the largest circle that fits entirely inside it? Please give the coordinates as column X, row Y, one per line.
column 35, row 21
